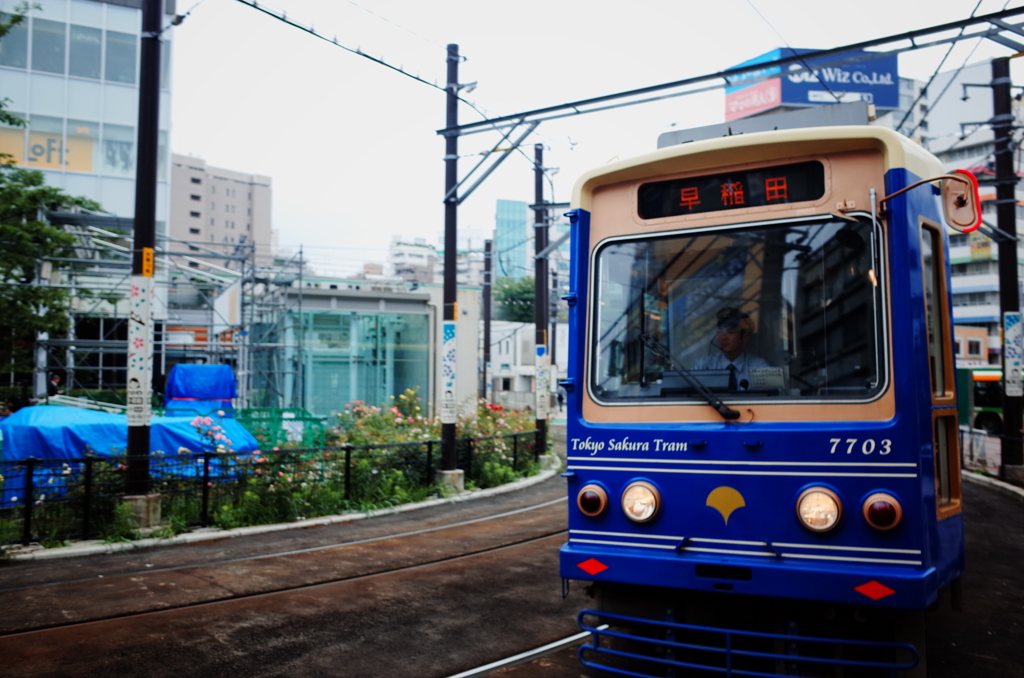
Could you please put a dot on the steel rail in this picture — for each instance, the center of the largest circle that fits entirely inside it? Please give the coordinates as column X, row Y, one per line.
column 278, row 554
column 288, row 589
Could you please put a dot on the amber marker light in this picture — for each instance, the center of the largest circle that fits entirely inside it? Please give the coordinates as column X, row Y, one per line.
column 592, row 500
column 641, row 501
column 819, row 509
column 882, row 511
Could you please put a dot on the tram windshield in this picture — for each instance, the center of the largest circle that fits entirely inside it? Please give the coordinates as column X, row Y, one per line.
column 780, row 311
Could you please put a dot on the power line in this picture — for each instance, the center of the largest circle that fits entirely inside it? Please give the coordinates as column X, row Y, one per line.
column 283, row 16
column 816, row 74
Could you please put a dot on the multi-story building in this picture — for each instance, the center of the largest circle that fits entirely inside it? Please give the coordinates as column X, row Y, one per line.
column 962, row 138
column 413, row 260
column 512, row 241
column 71, row 70
column 221, row 210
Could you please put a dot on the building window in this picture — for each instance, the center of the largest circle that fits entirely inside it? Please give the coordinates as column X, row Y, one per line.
column 120, row 57
column 48, row 45
column 14, row 46
column 194, row 214
column 196, row 180
column 956, row 347
column 195, row 197
column 86, row 52
column 193, row 248
column 194, row 231
column 974, row 348
column 193, row 264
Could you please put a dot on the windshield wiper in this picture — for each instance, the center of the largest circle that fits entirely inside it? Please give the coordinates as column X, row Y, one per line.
column 710, row 398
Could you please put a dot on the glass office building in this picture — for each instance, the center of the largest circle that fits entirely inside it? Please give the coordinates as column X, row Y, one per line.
column 71, row 70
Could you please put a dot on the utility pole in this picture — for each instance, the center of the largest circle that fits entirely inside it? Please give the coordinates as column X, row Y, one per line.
column 488, row 256
column 540, row 305
column 449, row 411
column 140, row 322
column 1009, row 287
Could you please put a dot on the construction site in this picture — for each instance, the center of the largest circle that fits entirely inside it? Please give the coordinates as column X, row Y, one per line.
column 293, row 340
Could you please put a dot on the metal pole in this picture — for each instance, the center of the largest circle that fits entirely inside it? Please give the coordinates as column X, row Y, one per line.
column 540, row 304
column 140, row 326
column 449, row 461
column 1006, row 220
column 488, row 257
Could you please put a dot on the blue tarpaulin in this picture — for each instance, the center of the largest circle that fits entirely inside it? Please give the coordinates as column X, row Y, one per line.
column 48, row 432
column 52, row 432
column 200, row 387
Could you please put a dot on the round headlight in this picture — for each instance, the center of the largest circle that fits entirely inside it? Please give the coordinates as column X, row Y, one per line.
column 819, row 509
column 640, row 501
column 592, row 500
column 882, row 511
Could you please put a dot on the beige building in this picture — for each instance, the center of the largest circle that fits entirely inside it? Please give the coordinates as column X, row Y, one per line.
column 221, row 210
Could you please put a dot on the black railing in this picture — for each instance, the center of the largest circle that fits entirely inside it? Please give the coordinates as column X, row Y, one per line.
column 45, row 500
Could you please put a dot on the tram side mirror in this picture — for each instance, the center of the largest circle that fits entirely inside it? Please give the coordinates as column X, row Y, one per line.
column 961, row 203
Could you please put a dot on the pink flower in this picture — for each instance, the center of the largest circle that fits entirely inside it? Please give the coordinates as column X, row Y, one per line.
column 196, row 421
column 207, row 421
column 277, row 449
column 220, row 413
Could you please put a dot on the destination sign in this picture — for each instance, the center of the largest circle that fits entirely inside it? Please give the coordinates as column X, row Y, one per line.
column 798, row 182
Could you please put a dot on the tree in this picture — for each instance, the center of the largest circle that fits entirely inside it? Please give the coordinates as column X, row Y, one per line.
column 27, row 308
column 515, row 298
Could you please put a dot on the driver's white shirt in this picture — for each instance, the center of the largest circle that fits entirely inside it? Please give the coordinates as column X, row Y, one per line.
column 744, row 362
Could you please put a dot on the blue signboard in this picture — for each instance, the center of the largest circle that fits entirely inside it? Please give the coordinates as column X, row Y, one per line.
column 861, row 77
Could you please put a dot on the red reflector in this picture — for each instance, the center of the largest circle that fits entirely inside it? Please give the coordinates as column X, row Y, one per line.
column 874, row 590
column 592, row 566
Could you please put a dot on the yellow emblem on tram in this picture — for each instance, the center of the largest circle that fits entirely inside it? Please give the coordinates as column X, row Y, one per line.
column 725, row 500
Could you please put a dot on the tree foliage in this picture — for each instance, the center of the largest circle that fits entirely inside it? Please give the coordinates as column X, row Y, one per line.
column 27, row 308
column 515, row 299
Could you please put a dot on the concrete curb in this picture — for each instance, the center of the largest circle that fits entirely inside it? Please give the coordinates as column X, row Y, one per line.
column 94, row 547
column 997, row 485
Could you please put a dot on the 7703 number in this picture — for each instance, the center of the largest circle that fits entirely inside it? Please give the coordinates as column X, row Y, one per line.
column 865, row 446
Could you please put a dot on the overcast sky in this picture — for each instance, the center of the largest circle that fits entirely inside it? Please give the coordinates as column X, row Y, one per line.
column 352, row 148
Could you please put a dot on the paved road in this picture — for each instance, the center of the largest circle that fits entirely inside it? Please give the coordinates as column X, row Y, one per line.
column 428, row 621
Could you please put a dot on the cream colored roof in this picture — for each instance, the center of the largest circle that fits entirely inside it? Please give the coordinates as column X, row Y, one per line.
column 898, row 151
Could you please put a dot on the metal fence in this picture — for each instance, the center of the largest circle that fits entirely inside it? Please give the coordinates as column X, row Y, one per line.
column 980, row 451
column 51, row 500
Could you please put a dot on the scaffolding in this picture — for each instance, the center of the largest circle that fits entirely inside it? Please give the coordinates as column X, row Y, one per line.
column 210, row 297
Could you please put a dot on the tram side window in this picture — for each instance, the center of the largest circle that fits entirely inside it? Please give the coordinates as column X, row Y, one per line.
column 804, row 299
column 935, row 305
column 947, row 464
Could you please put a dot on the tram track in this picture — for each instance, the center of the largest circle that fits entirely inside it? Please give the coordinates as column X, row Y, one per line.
column 283, row 590
column 66, row 603
column 279, row 554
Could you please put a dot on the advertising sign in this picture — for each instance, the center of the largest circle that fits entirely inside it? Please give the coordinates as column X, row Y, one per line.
column 1012, row 346
column 543, row 385
column 140, row 351
column 874, row 79
column 449, row 411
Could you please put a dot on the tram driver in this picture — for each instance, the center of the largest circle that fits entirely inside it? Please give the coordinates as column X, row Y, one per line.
column 728, row 352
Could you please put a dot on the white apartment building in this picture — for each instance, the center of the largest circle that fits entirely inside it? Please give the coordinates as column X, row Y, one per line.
column 222, row 210
column 412, row 259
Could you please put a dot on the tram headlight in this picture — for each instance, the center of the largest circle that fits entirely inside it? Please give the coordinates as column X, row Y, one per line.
column 641, row 501
column 819, row 509
column 882, row 511
column 592, row 500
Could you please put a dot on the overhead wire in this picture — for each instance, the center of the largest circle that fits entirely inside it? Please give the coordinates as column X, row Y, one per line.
column 924, row 90
column 815, row 72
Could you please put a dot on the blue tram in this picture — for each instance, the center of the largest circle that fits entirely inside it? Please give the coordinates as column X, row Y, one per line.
column 763, row 466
